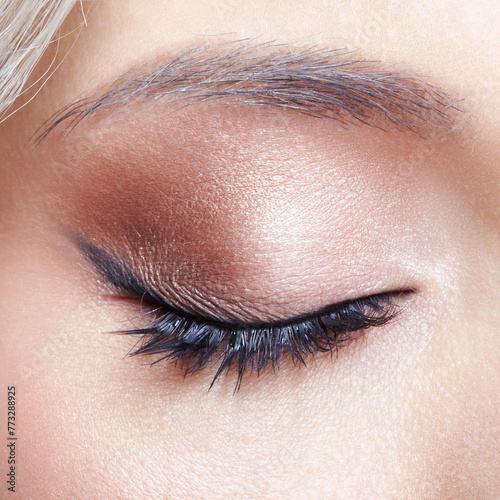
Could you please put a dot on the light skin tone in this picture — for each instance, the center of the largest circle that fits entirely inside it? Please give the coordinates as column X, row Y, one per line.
column 250, row 213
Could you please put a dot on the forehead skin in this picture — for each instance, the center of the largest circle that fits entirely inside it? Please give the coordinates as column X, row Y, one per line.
column 414, row 417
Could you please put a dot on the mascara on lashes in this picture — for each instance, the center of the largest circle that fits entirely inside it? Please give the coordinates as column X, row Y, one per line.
column 195, row 341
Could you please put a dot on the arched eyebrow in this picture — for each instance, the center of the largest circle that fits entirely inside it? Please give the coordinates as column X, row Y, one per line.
column 316, row 82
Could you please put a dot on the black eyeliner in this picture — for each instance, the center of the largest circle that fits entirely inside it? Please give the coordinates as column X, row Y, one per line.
column 115, row 271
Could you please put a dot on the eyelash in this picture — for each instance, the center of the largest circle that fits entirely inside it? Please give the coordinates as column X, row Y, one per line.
column 184, row 338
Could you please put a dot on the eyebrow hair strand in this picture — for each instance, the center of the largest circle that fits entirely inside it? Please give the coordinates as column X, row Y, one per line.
column 315, row 82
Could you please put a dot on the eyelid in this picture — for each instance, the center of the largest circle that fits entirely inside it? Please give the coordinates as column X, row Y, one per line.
column 125, row 281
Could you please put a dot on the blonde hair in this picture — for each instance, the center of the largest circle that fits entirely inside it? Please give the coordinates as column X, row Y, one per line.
column 26, row 29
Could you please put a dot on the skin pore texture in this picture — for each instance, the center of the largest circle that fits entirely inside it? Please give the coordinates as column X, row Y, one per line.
column 256, row 213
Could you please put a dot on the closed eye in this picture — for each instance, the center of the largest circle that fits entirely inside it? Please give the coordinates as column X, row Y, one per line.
column 194, row 342
column 197, row 341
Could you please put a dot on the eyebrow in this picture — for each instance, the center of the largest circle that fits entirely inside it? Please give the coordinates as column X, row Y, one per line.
column 315, row 82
